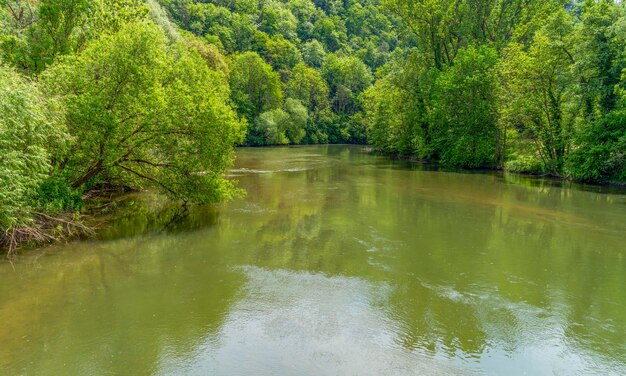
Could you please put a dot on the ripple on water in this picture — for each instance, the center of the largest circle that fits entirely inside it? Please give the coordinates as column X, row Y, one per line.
column 300, row 323
column 523, row 336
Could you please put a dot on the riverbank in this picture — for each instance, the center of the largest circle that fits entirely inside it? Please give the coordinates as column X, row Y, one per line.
column 542, row 175
column 46, row 228
column 101, row 205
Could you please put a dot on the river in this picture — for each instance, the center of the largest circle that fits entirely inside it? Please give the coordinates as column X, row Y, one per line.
column 337, row 262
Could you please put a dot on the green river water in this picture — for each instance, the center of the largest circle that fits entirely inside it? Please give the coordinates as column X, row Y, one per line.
column 337, row 262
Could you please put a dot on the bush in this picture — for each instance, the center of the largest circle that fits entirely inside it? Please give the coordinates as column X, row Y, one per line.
column 55, row 195
column 524, row 164
column 600, row 154
column 27, row 130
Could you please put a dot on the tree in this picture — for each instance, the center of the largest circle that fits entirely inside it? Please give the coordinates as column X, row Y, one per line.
column 209, row 52
column 540, row 101
column 38, row 32
column 108, row 16
column 268, row 128
column 43, row 31
column 313, row 53
column 347, row 77
column 276, row 19
column 29, row 131
column 435, row 23
column 308, row 86
column 331, row 31
column 298, row 117
column 141, row 113
column 443, row 27
column 465, row 126
column 307, row 13
column 600, row 152
column 597, row 57
column 245, row 35
column 255, row 86
column 397, row 107
column 282, row 54
column 280, row 126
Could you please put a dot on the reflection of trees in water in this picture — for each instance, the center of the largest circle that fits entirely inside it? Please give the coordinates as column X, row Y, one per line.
column 480, row 264
column 116, row 306
column 496, row 273
column 150, row 213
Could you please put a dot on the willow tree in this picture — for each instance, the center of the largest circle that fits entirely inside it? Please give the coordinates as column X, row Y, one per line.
column 145, row 113
column 28, row 132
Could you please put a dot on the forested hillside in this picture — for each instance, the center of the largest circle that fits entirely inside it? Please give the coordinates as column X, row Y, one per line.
column 109, row 94
column 526, row 85
column 298, row 68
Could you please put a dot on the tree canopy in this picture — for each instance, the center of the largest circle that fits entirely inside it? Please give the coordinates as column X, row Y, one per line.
column 529, row 86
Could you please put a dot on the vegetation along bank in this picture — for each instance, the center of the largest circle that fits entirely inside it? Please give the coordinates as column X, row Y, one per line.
column 133, row 94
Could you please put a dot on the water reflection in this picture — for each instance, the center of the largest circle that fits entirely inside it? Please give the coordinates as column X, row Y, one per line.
column 294, row 323
column 337, row 262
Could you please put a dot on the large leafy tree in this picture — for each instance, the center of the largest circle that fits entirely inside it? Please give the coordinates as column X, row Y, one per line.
column 282, row 54
column 280, row 126
column 313, row 53
column 348, row 77
column 307, row 85
column 466, row 131
column 142, row 112
column 598, row 51
column 600, row 154
column 397, row 107
column 255, row 86
column 276, row 19
column 34, row 33
column 540, row 98
column 40, row 31
column 443, row 27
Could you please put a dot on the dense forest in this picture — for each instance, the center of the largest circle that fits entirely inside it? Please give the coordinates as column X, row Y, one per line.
column 103, row 94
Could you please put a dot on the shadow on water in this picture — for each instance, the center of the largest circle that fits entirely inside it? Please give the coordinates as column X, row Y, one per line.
column 149, row 213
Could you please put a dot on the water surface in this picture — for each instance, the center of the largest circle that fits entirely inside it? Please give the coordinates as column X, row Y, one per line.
column 337, row 262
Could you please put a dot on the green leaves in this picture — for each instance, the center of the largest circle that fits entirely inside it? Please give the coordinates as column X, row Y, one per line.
column 307, row 85
column 282, row 54
column 28, row 132
column 255, row 86
column 540, row 98
column 280, row 126
column 398, row 107
column 600, row 153
column 348, row 77
column 144, row 113
column 465, row 125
